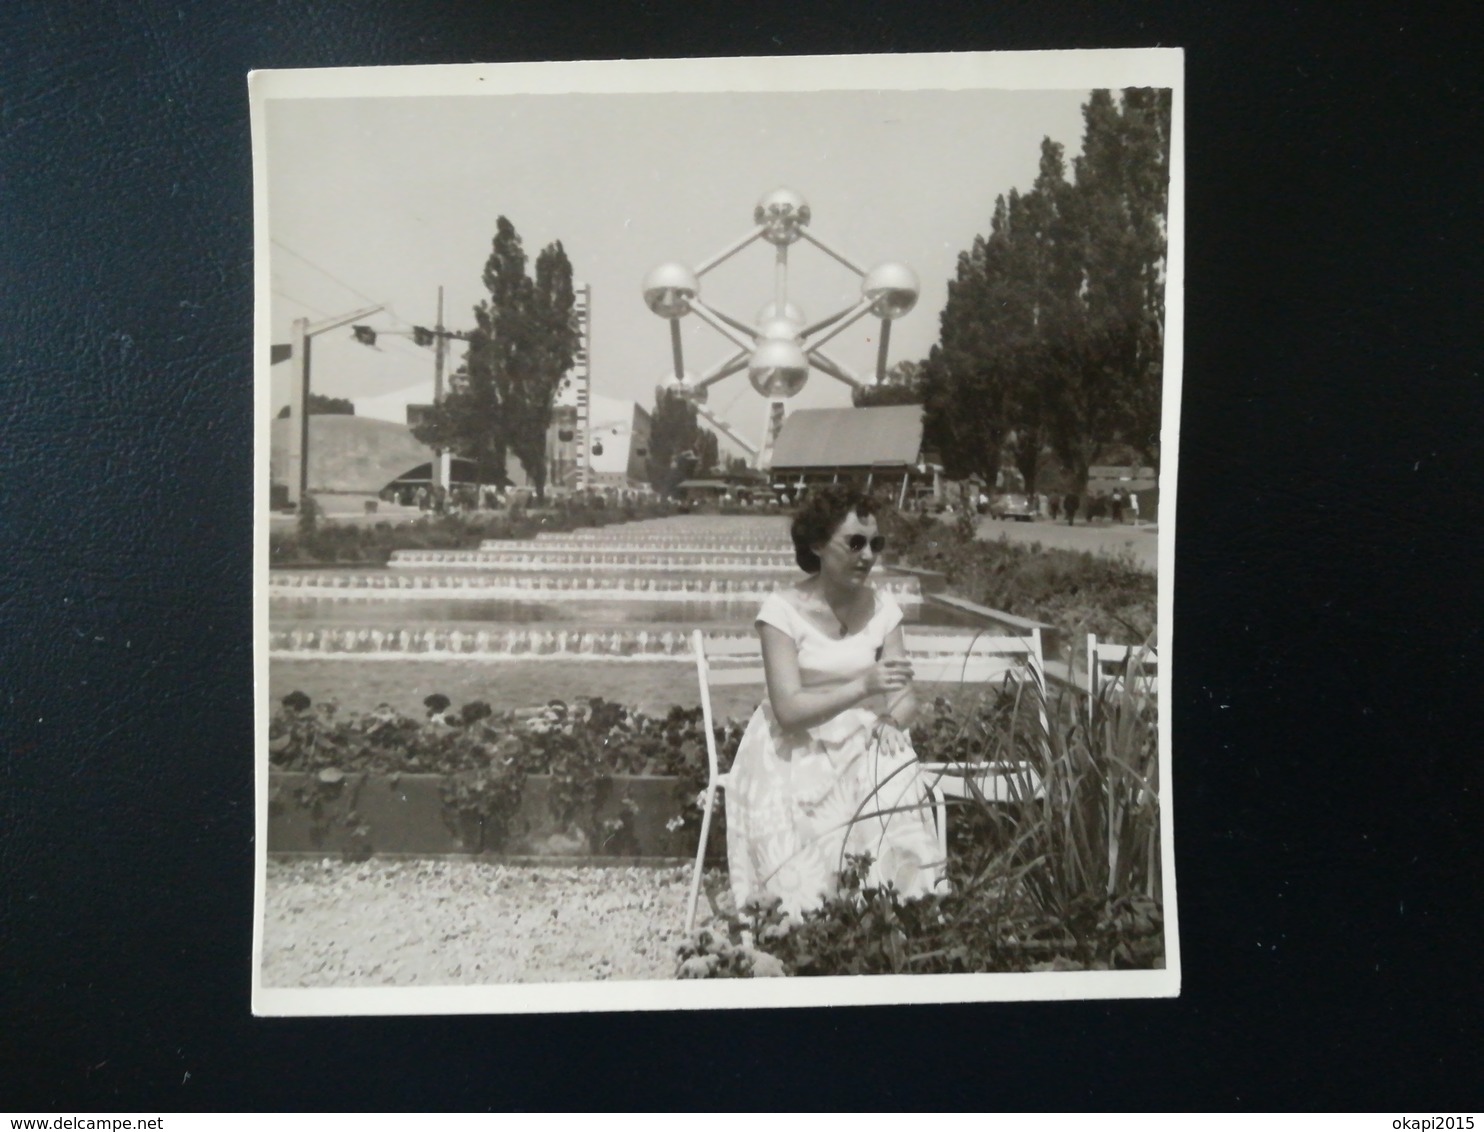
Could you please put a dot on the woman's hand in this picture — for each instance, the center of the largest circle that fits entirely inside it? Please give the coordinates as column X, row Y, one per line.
column 891, row 741
column 889, row 675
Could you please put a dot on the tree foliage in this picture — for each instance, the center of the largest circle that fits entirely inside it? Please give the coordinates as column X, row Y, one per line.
column 679, row 448
column 708, row 452
column 1123, row 183
column 1053, row 331
column 902, row 385
column 524, row 342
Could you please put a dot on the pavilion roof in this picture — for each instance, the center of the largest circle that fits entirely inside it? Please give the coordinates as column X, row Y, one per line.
column 888, row 435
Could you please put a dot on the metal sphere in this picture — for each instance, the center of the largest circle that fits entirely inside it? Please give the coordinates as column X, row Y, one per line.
column 784, row 328
column 770, row 311
column 778, row 368
column 669, row 288
column 782, row 213
column 891, row 288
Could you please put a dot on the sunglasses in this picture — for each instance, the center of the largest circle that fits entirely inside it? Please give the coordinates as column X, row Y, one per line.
column 857, row 543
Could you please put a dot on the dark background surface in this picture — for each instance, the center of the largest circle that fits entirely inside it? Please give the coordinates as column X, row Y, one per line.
column 1327, row 781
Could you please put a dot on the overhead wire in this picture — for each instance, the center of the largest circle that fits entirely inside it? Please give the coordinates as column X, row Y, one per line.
column 307, row 306
column 401, row 347
column 387, row 308
column 323, row 271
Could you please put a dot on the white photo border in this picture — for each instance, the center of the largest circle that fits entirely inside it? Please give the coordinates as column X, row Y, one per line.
column 1032, row 70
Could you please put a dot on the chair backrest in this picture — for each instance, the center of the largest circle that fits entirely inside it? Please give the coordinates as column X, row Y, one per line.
column 958, row 659
column 937, row 658
column 1108, row 666
column 729, row 659
column 961, row 658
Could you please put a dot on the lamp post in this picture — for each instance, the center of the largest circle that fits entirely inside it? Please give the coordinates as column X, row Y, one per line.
column 304, row 333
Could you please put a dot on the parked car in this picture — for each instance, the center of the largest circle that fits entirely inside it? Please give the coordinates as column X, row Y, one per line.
column 1011, row 506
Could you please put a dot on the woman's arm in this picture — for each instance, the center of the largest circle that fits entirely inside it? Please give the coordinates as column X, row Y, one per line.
column 900, row 705
column 797, row 707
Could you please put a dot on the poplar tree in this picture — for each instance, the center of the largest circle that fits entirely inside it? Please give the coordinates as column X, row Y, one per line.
column 966, row 382
column 1053, row 331
column 678, row 446
column 1108, row 337
column 520, row 352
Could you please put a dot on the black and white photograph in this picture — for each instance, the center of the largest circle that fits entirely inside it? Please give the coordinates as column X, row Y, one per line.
column 714, row 532
column 705, row 558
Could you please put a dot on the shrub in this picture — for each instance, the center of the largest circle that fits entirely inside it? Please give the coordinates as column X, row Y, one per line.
column 1076, row 591
column 316, row 542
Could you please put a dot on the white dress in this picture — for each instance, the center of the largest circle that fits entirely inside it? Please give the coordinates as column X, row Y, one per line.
column 800, row 801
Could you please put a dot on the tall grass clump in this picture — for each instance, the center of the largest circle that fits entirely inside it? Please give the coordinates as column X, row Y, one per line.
column 1087, row 845
column 1069, row 842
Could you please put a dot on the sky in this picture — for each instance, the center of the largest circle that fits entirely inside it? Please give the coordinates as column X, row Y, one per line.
column 382, row 200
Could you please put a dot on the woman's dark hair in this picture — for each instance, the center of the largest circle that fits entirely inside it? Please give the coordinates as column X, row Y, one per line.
column 820, row 516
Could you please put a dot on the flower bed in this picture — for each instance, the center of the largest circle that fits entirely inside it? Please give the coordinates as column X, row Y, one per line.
column 357, row 816
column 974, row 929
column 593, row 778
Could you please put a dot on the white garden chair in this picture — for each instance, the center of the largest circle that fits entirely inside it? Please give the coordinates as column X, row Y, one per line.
column 937, row 658
column 1109, row 666
column 742, row 663
column 991, row 661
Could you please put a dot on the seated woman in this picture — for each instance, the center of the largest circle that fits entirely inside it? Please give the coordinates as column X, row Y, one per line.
column 824, row 769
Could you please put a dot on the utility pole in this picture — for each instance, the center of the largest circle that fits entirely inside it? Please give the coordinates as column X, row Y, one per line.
column 440, row 344
column 297, row 472
column 438, row 338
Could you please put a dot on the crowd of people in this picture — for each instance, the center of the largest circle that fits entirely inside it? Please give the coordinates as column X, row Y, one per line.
column 466, row 497
column 1119, row 506
column 446, row 501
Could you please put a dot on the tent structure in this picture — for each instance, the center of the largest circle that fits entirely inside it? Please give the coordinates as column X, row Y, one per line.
column 353, row 455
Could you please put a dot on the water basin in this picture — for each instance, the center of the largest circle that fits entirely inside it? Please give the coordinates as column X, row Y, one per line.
column 391, row 611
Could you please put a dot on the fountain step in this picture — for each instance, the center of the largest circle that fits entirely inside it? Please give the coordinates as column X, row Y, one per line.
column 777, row 534
column 567, row 560
column 645, row 546
column 437, row 643
column 634, row 547
column 400, row 585
column 776, row 539
column 484, row 644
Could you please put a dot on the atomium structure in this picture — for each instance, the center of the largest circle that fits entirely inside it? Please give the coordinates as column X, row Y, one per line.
column 779, row 347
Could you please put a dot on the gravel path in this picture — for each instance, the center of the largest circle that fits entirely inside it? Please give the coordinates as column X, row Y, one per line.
column 441, row 923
